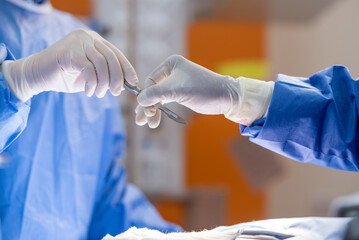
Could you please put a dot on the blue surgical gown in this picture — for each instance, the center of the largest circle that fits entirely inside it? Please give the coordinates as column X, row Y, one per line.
column 313, row 120
column 63, row 178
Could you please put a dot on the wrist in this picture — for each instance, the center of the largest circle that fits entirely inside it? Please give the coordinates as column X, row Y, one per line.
column 13, row 72
column 253, row 100
column 233, row 91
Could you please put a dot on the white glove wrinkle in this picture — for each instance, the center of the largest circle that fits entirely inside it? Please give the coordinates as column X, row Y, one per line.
column 177, row 79
column 81, row 61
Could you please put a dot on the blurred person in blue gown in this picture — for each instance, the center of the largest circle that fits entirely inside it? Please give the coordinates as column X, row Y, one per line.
column 63, row 178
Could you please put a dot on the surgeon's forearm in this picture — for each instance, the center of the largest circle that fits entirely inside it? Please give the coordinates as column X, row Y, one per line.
column 313, row 120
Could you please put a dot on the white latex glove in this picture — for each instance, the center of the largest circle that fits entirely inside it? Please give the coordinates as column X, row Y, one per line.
column 81, row 61
column 177, row 79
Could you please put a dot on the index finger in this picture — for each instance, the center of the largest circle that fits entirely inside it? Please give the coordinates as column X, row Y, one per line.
column 128, row 70
column 157, row 75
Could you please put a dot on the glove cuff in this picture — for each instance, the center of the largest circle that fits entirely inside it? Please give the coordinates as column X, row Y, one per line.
column 13, row 72
column 253, row 101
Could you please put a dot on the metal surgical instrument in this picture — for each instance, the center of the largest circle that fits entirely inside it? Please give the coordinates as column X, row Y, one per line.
column 136, row 91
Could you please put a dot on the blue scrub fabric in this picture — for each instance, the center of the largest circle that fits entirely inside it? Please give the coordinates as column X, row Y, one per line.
column 63, row 177
column 313, row 120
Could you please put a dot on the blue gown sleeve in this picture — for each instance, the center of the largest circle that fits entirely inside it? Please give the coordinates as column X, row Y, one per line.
column 13, row 112
column 313, row 120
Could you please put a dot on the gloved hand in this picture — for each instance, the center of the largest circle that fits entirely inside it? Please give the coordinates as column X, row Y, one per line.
column 242, row 100
column 81, row 61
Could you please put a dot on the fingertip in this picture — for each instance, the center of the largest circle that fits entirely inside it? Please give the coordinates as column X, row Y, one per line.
column 140, row 123
column 154, row 122
column 89, row 90
column 133, row 80
column 137, row 109
column 116, row 84
column 101, row 90
column 116, row 92
column 141, row 118
column 150, row 111
column 100, row 94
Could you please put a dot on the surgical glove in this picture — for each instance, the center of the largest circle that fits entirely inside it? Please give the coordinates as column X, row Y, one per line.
column 81, row 61
column 177, row 79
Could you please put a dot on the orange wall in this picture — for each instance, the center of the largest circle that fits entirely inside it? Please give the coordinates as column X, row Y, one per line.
column 76, row 7
column 208, row 159
column 211, row 42
column 208, row 137
column 209, row 163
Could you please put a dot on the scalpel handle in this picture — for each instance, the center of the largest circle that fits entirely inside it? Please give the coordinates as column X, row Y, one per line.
column 132, row 89
column 171, row 115
column 136, row 91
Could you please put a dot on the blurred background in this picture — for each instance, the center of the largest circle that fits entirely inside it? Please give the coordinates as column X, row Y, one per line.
column 205, row 174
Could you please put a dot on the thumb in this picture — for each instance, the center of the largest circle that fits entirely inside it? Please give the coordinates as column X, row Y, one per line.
column 150, row 96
